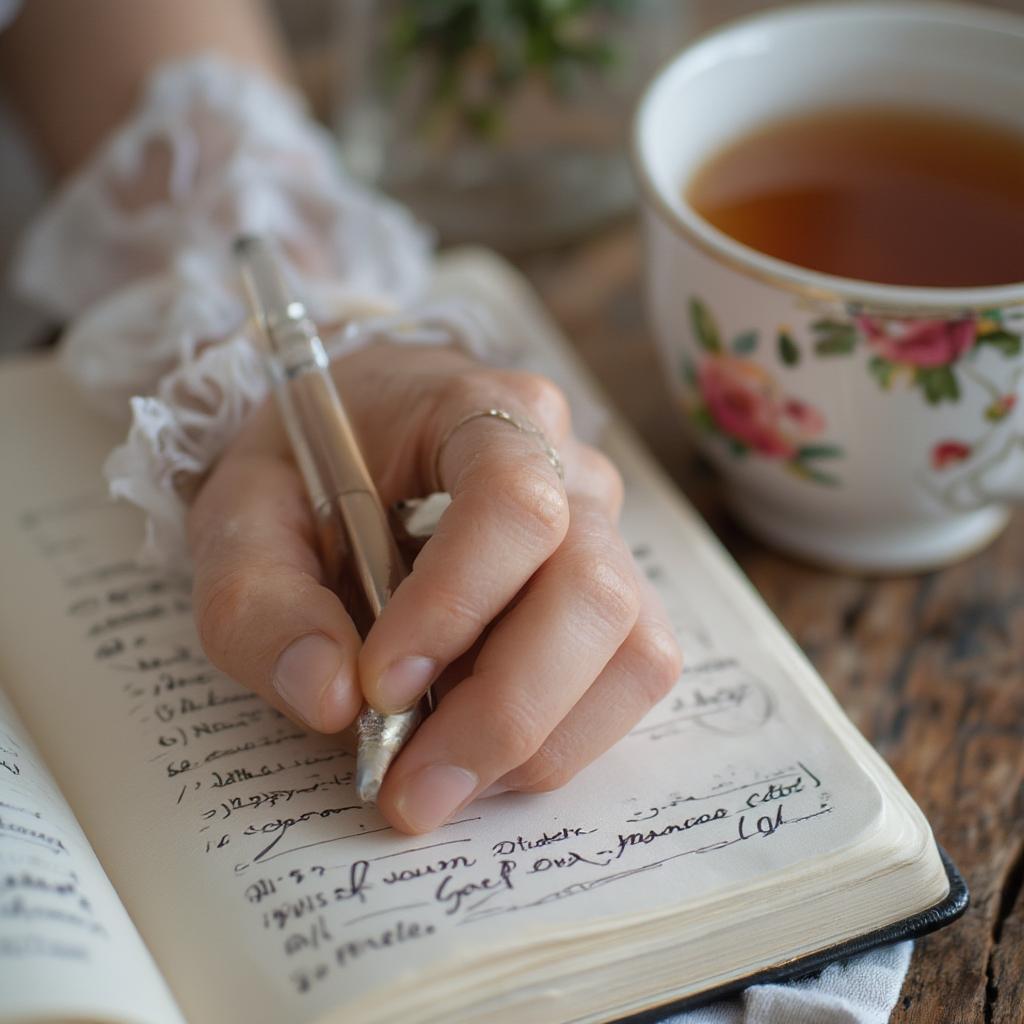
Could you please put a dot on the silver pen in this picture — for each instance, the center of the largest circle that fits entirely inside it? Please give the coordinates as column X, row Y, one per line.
column 356, row 540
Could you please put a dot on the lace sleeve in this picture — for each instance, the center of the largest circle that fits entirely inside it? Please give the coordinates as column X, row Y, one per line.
column 134, row 253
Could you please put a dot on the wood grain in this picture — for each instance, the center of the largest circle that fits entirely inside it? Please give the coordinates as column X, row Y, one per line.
column 929, row 667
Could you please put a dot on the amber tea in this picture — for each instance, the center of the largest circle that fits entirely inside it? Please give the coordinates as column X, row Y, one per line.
column 888, row 196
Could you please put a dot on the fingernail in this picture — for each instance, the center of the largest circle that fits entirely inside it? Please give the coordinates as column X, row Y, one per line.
column 433, row 794
column 404, row 681
column 303, row 672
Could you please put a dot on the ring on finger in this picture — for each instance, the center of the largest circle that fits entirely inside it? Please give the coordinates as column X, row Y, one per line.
column 521, row 423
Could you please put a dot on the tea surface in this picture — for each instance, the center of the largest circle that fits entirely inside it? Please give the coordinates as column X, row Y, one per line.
column 889, row 196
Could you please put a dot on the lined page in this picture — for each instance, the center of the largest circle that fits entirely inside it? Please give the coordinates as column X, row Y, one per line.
column 67, row 948
column 263, row 888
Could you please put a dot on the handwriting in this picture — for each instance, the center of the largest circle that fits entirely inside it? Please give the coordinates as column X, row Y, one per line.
column 782, row 783
column 645, row 838
column 48, row 909
column 278, row 827
column 437, row 867
column 566, row 861
column 506, row 847
column 718, row 695
column 272, row 797
column 452, row 895
column 355, row 888
column 326, row 892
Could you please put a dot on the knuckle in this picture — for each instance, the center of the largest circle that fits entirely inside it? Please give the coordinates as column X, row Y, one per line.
column 453, row 616
column 220, row 609
column 543, row 772
column 474, row 385
column 656, row 660
column 607, row 589
column 532, row 499
column 542, row 398
column 516, row 734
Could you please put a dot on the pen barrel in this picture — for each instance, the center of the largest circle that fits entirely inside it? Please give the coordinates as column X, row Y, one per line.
column 373, row 555
column 356, row 540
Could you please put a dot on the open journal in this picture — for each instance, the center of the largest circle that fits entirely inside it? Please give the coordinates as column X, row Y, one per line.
column 171, row 849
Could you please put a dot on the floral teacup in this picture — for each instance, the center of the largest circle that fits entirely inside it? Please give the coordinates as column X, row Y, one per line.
column 857, row 424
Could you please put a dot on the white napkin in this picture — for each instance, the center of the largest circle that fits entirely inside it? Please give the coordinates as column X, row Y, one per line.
column 862, row 990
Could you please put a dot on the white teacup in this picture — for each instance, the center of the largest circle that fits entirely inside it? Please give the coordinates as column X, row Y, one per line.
column 856, row 424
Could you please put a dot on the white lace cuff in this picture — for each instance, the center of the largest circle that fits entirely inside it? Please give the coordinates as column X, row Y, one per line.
column 135, row 251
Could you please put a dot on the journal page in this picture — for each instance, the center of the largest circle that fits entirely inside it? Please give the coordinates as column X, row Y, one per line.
column 67, row 948
column 265, row 890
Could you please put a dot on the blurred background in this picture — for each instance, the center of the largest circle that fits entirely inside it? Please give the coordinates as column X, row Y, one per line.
column 498, row 121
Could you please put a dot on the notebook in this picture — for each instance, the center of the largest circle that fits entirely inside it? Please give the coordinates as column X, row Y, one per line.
column 172, row 849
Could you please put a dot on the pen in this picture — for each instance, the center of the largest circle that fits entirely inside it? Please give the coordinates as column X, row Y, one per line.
column 356, row 540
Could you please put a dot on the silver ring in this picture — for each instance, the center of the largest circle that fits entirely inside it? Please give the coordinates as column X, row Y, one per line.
column 521, row 423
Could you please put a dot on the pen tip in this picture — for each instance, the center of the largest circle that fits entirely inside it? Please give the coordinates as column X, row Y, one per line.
column 380, row 739
column 368, row 783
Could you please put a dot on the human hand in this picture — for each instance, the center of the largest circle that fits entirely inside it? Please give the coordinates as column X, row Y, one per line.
column 525, row 599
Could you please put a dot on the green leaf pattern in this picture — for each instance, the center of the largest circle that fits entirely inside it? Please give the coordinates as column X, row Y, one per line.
column 930, row 356
column 704, row 327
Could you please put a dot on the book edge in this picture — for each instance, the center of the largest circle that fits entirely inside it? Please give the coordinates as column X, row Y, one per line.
column 945, row 912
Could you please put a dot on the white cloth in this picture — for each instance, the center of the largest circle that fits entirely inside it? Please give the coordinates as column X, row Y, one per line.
column 862, row 990
column 136, row 252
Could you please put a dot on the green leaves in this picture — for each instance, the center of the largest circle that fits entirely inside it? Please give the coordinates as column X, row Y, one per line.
column 467, row 58
column 805, row 472
column 800, row 464
column 788, row 351
column 745, row 343
column 820, row 451
column 1007, row 343
column 704, row 327
column 834, row 338
column 938, row 384
column 882, row 370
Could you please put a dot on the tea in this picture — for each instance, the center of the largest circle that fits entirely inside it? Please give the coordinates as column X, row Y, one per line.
column 890, row 196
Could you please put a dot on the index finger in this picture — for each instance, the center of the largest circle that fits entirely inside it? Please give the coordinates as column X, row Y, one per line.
column 508, row 514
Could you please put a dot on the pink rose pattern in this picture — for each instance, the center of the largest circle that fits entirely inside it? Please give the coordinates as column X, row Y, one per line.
column 931, row 349
column 745, row 403
column 926, row 352
column 925, row 343
column 742, row 402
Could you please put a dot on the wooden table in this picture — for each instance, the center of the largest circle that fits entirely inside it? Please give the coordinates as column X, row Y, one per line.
column 928, row 667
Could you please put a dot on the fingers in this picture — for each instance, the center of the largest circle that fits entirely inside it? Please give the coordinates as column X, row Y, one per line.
column 642, row 672
column 262, row 614
column 509, row 513
column 526, row 582
column 533, row 668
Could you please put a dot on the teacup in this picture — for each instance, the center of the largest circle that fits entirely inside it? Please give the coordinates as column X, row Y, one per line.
column 861, row 425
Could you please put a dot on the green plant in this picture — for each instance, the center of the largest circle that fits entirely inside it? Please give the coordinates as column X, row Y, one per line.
column 479, row 51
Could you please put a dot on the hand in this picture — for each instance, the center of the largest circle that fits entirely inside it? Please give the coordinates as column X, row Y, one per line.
column 526, row 594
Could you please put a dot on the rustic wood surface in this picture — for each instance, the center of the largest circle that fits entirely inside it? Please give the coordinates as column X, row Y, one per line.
column 929, row 667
